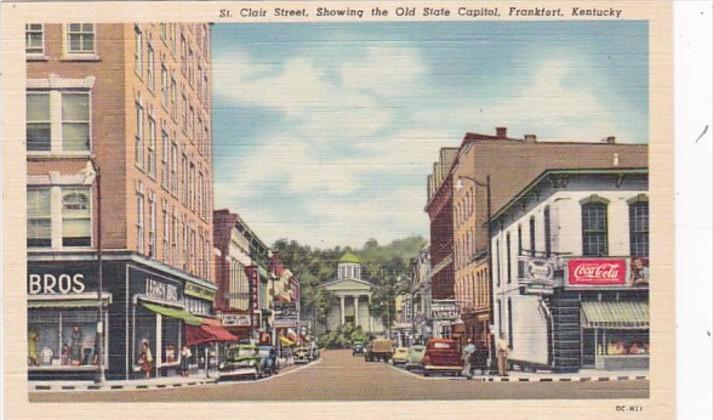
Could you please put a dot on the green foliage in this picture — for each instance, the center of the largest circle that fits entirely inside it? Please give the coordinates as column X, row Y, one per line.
column 342, row 337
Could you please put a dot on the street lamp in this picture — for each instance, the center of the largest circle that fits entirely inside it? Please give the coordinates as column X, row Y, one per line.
column 491, row 310
column 93, row 172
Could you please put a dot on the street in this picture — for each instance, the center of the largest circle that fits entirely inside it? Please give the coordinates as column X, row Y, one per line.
column 341, row 377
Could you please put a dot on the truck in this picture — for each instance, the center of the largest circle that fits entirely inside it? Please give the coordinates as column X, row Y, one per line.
column 379, row 349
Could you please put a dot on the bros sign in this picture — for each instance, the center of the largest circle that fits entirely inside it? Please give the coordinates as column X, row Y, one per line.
column 51, row 284
column 596, row 272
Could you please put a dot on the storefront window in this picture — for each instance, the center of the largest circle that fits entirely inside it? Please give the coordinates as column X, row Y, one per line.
column 144, row 332
column 623, row 343
column 62, row 338
column 169, row 340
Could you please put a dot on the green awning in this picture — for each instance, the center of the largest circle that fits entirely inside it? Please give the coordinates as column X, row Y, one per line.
column 187, row 317
column 78, row 303
column 617, row 314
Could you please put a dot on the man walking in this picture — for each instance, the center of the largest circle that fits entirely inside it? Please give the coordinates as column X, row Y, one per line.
column 467, row 355
column 503, row 352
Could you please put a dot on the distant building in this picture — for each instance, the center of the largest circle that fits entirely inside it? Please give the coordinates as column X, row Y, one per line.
column 571, row 270
column 353, row 297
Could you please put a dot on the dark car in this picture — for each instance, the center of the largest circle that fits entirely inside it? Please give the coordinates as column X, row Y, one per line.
column 358, row 349
column 442, row 356
column 268, row 356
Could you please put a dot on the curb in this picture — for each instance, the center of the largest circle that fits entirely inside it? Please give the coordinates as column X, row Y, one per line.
column 109, row 387
column 603, row 378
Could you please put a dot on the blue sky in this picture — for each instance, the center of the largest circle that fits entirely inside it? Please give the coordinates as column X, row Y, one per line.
column 325, row 133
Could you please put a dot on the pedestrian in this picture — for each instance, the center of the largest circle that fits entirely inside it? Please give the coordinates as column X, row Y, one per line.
column 146, row 359
column 503, row 352
column 185, row 359
column 468, row 352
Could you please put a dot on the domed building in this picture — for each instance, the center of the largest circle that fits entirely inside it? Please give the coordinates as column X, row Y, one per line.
column 352, row 297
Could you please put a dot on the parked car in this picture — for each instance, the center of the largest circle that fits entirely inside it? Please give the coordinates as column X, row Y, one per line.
column 315, row 352
column 400, row 356
column 415, row 357
column 241, row 360
column 379, row 349
column 302, row 355
column 268, row 358
column 358, row 349
column 442, row 356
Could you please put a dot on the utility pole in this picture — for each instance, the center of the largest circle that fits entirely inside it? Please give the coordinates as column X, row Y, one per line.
column 101, row 377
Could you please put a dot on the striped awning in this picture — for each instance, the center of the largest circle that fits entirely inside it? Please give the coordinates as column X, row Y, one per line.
column 176, row 313
column 617, row 314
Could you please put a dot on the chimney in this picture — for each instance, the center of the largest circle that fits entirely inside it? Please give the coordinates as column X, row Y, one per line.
column 501, row 132
column 609, row 140
column 530, row 138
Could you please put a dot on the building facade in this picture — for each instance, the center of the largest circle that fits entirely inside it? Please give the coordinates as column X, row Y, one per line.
column 503, row 165
column 234, row 299
column 571, row 273
column 353, row 297
column 118, row 119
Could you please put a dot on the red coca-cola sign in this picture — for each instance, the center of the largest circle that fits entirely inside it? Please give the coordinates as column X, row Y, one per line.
column 596, row 272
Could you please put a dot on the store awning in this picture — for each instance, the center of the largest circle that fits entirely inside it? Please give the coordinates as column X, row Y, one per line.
column 286, row 341
column 176, row 313
column 209, row 331
column 617, row 314
column 82, row 303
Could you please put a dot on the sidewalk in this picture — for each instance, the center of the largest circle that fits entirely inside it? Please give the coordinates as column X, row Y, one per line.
column 132, row 385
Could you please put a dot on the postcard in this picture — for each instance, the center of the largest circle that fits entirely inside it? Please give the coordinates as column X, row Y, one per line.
column 325, row 208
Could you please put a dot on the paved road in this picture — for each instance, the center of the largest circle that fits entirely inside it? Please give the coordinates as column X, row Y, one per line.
column 339, row 376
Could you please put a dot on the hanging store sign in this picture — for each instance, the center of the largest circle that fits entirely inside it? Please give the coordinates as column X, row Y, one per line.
column 198, row 291
column 538, row 270
column 159, row 290
column 444, row 310
column 596, row 272
column 235, row 320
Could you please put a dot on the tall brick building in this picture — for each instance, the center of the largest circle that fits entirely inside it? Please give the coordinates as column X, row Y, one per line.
column 511, row 163
column 127, row 106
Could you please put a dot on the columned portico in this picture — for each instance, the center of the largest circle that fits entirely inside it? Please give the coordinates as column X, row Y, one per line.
column 348, row 290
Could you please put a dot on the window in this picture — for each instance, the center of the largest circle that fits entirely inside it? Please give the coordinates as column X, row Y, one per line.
column 205, row 87
column 152, row 225
column 519, row 240
column 594, row 229
column 548, row 233
column 80, row 38
column 72, row 218
column 184, row 111
column 184, row 52
column 165, row 147
column 151, row 162
column 532, row 237
column 184, row 179
column 191, row 72
column 163, row 31
column 138, row 51
column 509, row 259
column 39, row 217
column 639, row 229
column 174, row 168
column 174, row 236
column 140, row 222
column 166, row 231
column 510, row 323
column 139, row 136
column 75, row 122
column 71, row 112
column 174, row 93
column 34, row 38
column 76, row 217
column 164, row 85
column 497, row 259
column 38, row 129
column 500, row 316
column 150, row 74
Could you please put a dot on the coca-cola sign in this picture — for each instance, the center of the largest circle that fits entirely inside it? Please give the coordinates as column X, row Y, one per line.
column 596, row 272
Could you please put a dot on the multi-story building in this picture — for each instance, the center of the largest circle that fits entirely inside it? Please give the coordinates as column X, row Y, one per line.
column 571, row 273
column 234, row 303
column 507, row 165
column 421, row 291
column 119, row 166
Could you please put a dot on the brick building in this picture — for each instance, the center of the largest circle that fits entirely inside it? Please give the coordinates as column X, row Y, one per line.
column 510, row 164
column 118, row 118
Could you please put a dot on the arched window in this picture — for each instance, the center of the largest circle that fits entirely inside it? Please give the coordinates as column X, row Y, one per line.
column 76, row 217
column 594, row 228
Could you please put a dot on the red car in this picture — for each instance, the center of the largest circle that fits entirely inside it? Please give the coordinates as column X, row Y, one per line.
column 442, row 356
